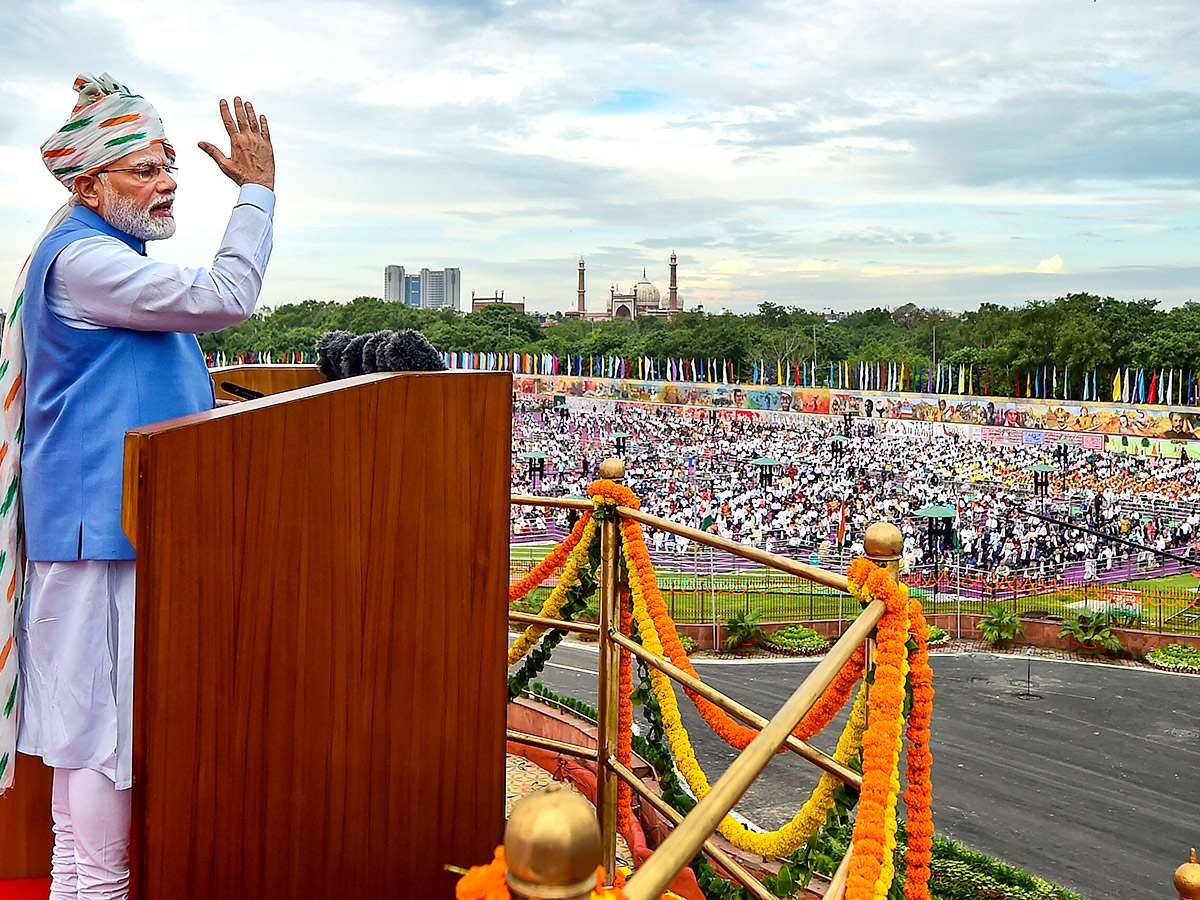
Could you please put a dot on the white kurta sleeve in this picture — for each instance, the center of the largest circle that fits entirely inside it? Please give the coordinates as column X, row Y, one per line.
column 102, row 282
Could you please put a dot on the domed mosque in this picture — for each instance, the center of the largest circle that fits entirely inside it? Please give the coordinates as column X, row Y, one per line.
column 643, row 299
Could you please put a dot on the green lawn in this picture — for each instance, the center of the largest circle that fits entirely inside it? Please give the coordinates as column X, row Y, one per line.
column 778, row 597
column 535, row 552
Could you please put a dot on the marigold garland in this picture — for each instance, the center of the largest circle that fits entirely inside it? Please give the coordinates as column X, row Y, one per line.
column 625, row 717
column 872, row 865
column 880, row 736
column 487, row 882
column 918, row 794
column 558, row 597
column 831, row 702
column 815, row 810
column 604, row 490
column 554, row 560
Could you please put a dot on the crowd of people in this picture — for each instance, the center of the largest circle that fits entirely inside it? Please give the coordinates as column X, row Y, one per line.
column 826, row 482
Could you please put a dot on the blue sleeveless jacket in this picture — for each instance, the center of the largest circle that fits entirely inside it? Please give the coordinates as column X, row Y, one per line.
column 84, row 388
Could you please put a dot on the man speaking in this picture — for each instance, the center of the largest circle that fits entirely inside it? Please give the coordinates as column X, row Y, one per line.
column 99, row 339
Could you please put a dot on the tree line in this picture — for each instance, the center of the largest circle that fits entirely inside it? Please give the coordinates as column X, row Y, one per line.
column 1077, row 332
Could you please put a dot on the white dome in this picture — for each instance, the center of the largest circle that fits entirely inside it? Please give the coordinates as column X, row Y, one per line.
column 646, row 293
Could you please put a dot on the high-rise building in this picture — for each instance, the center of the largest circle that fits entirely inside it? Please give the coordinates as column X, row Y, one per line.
column 441, row 288
column 453, row 282
column 432, row 289
column 412, row 291
column 393, row 284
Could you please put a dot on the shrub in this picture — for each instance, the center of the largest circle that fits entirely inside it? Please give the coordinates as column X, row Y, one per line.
column 797, row 640
column 743, row 631
column 1175, row 658
column 689, row 643
column 1000, row 626
column 1091, row 630
column 937, row 637
column 955, row 872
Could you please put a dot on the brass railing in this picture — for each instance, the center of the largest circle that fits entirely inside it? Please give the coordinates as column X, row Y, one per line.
column 693, row 832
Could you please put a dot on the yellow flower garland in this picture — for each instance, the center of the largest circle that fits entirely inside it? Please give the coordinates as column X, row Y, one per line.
column 881, row 742
column 872, row 866
column 888, row 869
column 812, row 815
column 558, row 597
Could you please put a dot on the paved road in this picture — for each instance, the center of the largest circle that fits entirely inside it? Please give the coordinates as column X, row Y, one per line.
column 1094, row 782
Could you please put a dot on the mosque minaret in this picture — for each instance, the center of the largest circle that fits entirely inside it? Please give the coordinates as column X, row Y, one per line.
column 579, row 309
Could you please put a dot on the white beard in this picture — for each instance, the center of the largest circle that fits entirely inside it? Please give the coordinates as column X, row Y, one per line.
column 122, row 213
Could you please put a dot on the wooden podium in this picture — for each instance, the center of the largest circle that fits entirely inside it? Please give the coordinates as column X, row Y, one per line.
column 320, row 657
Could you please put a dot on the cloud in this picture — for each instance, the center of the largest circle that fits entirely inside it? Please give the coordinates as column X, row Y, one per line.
column 810, row 266
column 1051, row 266
column 894, row 152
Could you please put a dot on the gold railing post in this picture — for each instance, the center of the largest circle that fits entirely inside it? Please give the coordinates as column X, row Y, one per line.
column 882, row 544
column 551, row 846
column 1187, row 879
column 610, row 669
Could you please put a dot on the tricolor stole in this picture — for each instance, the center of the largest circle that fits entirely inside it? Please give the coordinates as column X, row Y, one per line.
column 12, row 536
column 12, row 556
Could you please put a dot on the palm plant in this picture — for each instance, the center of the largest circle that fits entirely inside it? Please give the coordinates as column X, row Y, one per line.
column 1000, row 626
column 743, row 630
column 1092, row 631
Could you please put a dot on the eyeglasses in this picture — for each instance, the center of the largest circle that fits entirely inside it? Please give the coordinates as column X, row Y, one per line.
column 146, row 173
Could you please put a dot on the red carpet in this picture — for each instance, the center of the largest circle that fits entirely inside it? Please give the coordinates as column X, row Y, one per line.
column 24, row 888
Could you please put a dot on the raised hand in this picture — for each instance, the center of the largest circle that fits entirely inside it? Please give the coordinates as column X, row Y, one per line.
column 251, row 158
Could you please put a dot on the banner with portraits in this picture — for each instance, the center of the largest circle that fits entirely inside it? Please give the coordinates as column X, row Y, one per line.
column 1117, row 427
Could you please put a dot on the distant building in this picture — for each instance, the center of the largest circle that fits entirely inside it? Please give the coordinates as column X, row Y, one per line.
column 478, row 303
column 643, row 299
column 432, row 289
column 393, row 284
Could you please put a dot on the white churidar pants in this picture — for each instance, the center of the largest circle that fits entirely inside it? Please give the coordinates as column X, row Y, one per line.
column 75, row 632
column 91, row 837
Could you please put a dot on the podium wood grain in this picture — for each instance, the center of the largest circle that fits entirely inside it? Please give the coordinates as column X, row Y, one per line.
column 25, row 835
column 320, row 673
column 264, row 379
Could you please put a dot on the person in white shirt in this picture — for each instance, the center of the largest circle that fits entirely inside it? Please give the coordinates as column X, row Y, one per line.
column 89, row 281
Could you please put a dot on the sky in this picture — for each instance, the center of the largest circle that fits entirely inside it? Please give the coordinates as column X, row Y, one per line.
column 815, row 153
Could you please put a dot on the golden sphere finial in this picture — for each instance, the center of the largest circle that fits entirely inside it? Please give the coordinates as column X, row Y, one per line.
column 613, row 469
column 552, row 845
column 1187, row 879
column 883, row 542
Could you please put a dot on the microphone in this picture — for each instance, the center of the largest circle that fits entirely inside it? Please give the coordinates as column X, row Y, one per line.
column 238, row 391
column 343, row 354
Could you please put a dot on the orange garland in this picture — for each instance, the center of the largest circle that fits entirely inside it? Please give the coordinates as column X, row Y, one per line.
column 871, row 866
column 874, row 826
column 555, row 559
column 625, row 716
column 918, row 795
column 832, row 700
column 614, row 493
column 487, row 882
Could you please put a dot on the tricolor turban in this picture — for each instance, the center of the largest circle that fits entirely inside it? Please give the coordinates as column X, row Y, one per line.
column 108, row 121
